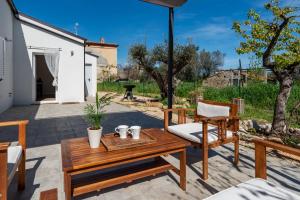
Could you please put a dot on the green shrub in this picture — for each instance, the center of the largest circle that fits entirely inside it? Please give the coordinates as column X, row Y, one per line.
column 185, row 88
column 259, row 98
column 259, row 95
column 146, row 88
column 111, row 87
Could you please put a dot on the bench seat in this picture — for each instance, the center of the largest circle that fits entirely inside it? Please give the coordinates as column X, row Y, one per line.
column 13, row 159
column 254, row 189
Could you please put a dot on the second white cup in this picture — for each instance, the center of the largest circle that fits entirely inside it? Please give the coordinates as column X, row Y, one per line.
column 135, row 132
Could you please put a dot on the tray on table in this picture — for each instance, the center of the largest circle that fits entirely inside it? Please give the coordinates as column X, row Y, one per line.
column 113, row 141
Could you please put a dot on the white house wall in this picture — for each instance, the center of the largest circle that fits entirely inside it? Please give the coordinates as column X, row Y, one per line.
column 90, row 59
column 6, row 31
column 71, row 67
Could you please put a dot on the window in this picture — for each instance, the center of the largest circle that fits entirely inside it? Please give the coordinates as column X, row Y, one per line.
column 2, row 58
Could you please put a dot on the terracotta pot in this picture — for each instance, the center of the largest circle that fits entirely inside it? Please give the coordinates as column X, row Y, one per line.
column 94, row 137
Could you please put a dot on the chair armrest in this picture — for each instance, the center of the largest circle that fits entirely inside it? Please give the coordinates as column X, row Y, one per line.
column 260, row 155
column 234, row 118
column 22, row 130
column 231, row 122
column 276, row 146
column 4, row 146
column 14, row 123
column 181, row 115
column 219, row 118
column 178, row 109
column 216, row 119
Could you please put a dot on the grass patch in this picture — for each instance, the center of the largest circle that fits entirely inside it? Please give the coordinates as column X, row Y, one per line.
column 257, row 114
column 146, row 89
column 259, row 97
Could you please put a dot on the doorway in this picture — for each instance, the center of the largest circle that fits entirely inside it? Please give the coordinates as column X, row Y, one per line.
column 88, row 79
column 45, row 91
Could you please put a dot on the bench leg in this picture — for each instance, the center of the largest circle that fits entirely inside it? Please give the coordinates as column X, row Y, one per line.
column 21, row 173
column 183, row 170
column 236, row 150
column 67, row 186
column 3, row 175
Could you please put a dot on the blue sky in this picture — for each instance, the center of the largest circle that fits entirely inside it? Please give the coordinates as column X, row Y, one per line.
column 126, row 22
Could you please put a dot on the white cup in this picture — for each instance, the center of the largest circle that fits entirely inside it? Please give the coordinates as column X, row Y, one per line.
column 122, row 130
column 135, row 132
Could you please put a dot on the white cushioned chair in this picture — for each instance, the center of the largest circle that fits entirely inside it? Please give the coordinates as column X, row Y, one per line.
column 214, row 124
column 12, row 159
column 259, row 188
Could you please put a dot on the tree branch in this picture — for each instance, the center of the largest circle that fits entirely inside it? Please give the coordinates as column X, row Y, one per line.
column 267, row 54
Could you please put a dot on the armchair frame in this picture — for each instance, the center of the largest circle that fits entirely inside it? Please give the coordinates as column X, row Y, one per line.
column 4, row 181
column 261, row 155
column 223, row 123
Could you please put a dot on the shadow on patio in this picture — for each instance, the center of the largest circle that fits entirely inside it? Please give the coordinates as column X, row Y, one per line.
column 49, row 124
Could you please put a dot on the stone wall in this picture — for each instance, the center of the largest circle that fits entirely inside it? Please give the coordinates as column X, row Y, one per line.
column 219, row 80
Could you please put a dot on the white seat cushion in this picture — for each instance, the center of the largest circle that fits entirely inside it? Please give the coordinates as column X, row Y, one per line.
column 254, row 189
column 13, row 158
column 193, row 132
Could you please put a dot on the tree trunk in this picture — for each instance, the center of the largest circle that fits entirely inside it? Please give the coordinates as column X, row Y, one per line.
column 279, row 126
column 160, row 82
column 163, row 89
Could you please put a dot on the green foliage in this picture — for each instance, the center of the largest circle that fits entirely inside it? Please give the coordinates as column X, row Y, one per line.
column 184, row 89
column 154, row 61
column 111, row 87
column 210, row 62
column 291, row 140
column 259, row 95
column 259, row 98
column 147, row 88
column 276, row 40
column 253, row 112
column 94, row 112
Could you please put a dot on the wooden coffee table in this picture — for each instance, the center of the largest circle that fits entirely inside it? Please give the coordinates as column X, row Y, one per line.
column 86, row 170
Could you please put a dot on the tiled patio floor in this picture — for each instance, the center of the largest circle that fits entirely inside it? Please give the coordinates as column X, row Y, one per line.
column 51, row 123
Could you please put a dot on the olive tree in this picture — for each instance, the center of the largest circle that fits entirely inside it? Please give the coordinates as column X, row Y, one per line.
column 275, row 40
column 153, row 60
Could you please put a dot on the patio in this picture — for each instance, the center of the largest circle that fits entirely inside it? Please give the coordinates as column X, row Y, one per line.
column 51, row 123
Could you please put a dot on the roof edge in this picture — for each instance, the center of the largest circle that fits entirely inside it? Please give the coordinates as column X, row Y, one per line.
column 12, row 6
column 49, row 25
column 91, row 54
column 101, row 44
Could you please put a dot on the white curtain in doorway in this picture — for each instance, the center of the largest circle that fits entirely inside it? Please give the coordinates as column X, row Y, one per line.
column 52, row 61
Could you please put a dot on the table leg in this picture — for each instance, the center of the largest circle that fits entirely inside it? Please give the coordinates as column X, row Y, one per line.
column 67, row 186
column 182, row 158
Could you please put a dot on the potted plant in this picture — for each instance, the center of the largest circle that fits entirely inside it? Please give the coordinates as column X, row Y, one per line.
column 94, row 115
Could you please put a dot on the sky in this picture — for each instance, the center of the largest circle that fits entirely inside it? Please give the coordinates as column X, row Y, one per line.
column 126, row 22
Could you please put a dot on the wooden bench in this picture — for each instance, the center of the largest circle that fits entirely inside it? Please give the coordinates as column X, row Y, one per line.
column 259, row 188
column 49, row 194
column 12, row 159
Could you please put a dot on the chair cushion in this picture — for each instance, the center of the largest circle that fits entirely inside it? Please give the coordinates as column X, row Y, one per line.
column 193, row 132
column 13, row 159
column 209, row 110
column 254, row 189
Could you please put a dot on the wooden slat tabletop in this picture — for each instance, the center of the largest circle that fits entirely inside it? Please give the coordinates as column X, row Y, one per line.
column 77, row 154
